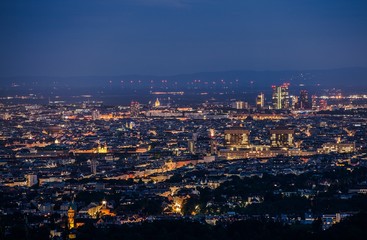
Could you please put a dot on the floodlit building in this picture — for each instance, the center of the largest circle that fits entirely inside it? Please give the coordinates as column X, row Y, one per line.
column 280, row 96
column 237, row 137
column 303, row 100
column 260, row 99
column 337, row 148
column 157, row 103
column 281, row 138
column 240, row 105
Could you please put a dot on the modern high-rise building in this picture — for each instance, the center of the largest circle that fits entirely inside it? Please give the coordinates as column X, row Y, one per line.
column 314, row 102
column 294, row 102
column 282, row 138
column 303, row 100
column 260, row 99
column 281, row 96
column 237, row 137
column 323, row 104
column 240, row 105
column 134, row 109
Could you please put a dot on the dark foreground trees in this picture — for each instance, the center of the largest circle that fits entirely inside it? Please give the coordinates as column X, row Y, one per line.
column 352, row 228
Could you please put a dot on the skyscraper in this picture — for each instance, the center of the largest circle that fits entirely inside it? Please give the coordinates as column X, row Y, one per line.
column 281, row 96
column 303, row 100
column 240, row 105
column 323, row 104
column 260, row 101
column 314, row 102
column 294, row 102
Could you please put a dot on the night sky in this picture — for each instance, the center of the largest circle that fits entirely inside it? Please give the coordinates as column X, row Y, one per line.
column 114, row 37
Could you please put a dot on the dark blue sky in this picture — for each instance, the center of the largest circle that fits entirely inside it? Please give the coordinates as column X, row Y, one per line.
column 113, row 37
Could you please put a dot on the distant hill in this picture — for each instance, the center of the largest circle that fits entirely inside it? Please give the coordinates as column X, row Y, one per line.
column 340, row 78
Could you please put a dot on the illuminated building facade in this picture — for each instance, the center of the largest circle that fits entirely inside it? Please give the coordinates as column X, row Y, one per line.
column 96, row 115
column 281, row 96
column 71, row 218
column 281, row 138
column 337, row 148
column 240, row 105
column 294, row 102
column 237, row 137
column 260, row 99
column 303, row 100
column 157, row 103
column 314, row 102
column 323, row 104
column 102, row 149
column 211, row 133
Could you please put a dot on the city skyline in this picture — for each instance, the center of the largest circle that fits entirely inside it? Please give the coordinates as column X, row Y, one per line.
column 183, row 119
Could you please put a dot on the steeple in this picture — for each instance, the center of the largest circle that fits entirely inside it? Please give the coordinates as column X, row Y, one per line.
column 157, row 103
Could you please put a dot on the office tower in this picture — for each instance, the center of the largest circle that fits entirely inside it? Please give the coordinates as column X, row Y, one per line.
column 237, row 137
column 240, row 105
column 260, row 99
column 281, row 137
column 31, row 180
column 323, row 104
column 314, row 102
column 281, row 96
column 294, row 102
column 303, row 100
column 134, row 109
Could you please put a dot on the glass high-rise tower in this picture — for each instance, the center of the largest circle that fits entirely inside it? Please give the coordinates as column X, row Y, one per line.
column 281, row 96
